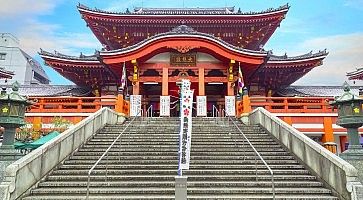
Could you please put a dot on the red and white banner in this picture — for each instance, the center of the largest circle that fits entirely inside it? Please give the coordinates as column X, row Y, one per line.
column 185, row 135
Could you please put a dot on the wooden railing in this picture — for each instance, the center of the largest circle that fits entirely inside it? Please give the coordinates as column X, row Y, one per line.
column 92, row 104
column 71, row 104
column 292, row 104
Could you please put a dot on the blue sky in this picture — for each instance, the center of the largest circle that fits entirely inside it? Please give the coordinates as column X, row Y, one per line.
column 309, row 25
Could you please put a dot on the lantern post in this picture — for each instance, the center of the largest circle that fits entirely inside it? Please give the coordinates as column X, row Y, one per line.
column 12, row 113
column 350, row 116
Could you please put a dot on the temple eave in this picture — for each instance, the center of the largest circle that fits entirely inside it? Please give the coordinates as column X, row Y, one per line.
column 229, row 11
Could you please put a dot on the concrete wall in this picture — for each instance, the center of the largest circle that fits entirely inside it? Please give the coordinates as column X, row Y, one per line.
column 18, row 61
column 14, row 62
column 337, row 174
column 27, row 171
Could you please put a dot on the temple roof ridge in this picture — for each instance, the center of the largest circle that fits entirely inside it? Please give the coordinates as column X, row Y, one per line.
column 186, row 11
column 186, row 30
column 190, row 10
column 303, row 56
column 82, row 57
column 3, row 70
column 357, row 70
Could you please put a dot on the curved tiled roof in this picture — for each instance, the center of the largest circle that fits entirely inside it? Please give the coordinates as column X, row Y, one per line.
column 318, row 91
column 50, row 90
column 59, row 55
column 5, row 73
column 300, row 57
column 186, row 11
column 355, row 75
column 184, row 30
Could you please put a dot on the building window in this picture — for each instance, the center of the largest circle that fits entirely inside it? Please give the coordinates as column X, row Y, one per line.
column 2, row 56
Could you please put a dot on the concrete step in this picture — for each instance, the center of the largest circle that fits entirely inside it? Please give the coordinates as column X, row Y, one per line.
column 166, row 149
column 248, row 177
column 200, row 153
column 175, row 157
column 175, row 145
column 224, row 140
column 144, row 166
column 173, row 167
column 191, row 190
column 130, row 184
column 188, row 172
column 193, row 197
column 197, row 162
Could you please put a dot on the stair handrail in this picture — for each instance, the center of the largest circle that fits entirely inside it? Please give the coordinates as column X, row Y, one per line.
column 106, row 152
column 149, row 111
column 254, row 149
column 215, row 111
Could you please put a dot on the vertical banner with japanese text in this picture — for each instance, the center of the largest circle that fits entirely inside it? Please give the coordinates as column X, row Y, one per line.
column 230, row 105
column 185, row 135
column 165, row 106
column 135, row 105
column 202, row 106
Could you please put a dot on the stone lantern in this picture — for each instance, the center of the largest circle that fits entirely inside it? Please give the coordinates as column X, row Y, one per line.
column 350, row 116
column 12, row 112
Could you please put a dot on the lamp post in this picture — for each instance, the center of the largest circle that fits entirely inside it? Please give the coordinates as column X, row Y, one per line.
column 350, row 116
column 12, row 112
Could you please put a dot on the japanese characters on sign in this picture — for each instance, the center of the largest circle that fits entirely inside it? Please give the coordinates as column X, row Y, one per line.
column 201, row 105
column 183, row 59
column 230, row 102
column 135, row 105
column 185, row 134
column 165, row 106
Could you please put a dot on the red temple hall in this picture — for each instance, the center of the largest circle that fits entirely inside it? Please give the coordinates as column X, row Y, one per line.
column 160, row 46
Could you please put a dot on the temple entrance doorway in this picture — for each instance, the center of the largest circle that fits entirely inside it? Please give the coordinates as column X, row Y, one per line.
column 151, row 96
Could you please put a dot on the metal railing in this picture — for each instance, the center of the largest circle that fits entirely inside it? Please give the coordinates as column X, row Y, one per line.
column 215, row 112
column 105, row 154
column 256, row 152
column 149, row 111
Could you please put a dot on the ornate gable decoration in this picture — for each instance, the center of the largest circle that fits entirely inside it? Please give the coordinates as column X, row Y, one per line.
column 183, row 29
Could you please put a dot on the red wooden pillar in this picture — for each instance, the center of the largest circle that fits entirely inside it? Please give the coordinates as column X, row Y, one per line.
column 119, row 103
column 328, row 137
column 201, row 81
column 136, row 88
column 165, row 82
column 246, row 104
column 230, row 89
column 288, row 120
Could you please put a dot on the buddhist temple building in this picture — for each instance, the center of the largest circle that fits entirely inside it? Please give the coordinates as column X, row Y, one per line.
column 160, row 46
column 216, row 49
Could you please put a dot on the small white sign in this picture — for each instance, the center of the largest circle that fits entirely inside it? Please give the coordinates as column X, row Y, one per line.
column 165, row 106
column 135, row 105
column 230, row 105
column 202, row 106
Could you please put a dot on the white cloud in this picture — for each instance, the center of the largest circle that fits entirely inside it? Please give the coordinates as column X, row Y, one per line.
column 357, row 4
column 35, row 35
column 11, row 8
column 345, row 55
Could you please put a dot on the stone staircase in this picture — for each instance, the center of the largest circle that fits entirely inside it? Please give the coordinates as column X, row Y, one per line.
column 145, row 165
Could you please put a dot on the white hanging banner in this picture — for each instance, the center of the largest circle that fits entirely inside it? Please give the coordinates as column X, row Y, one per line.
column 230, row 105
column 135, row 105
column 201, row 105
column 165, row 106
column 185, row 135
